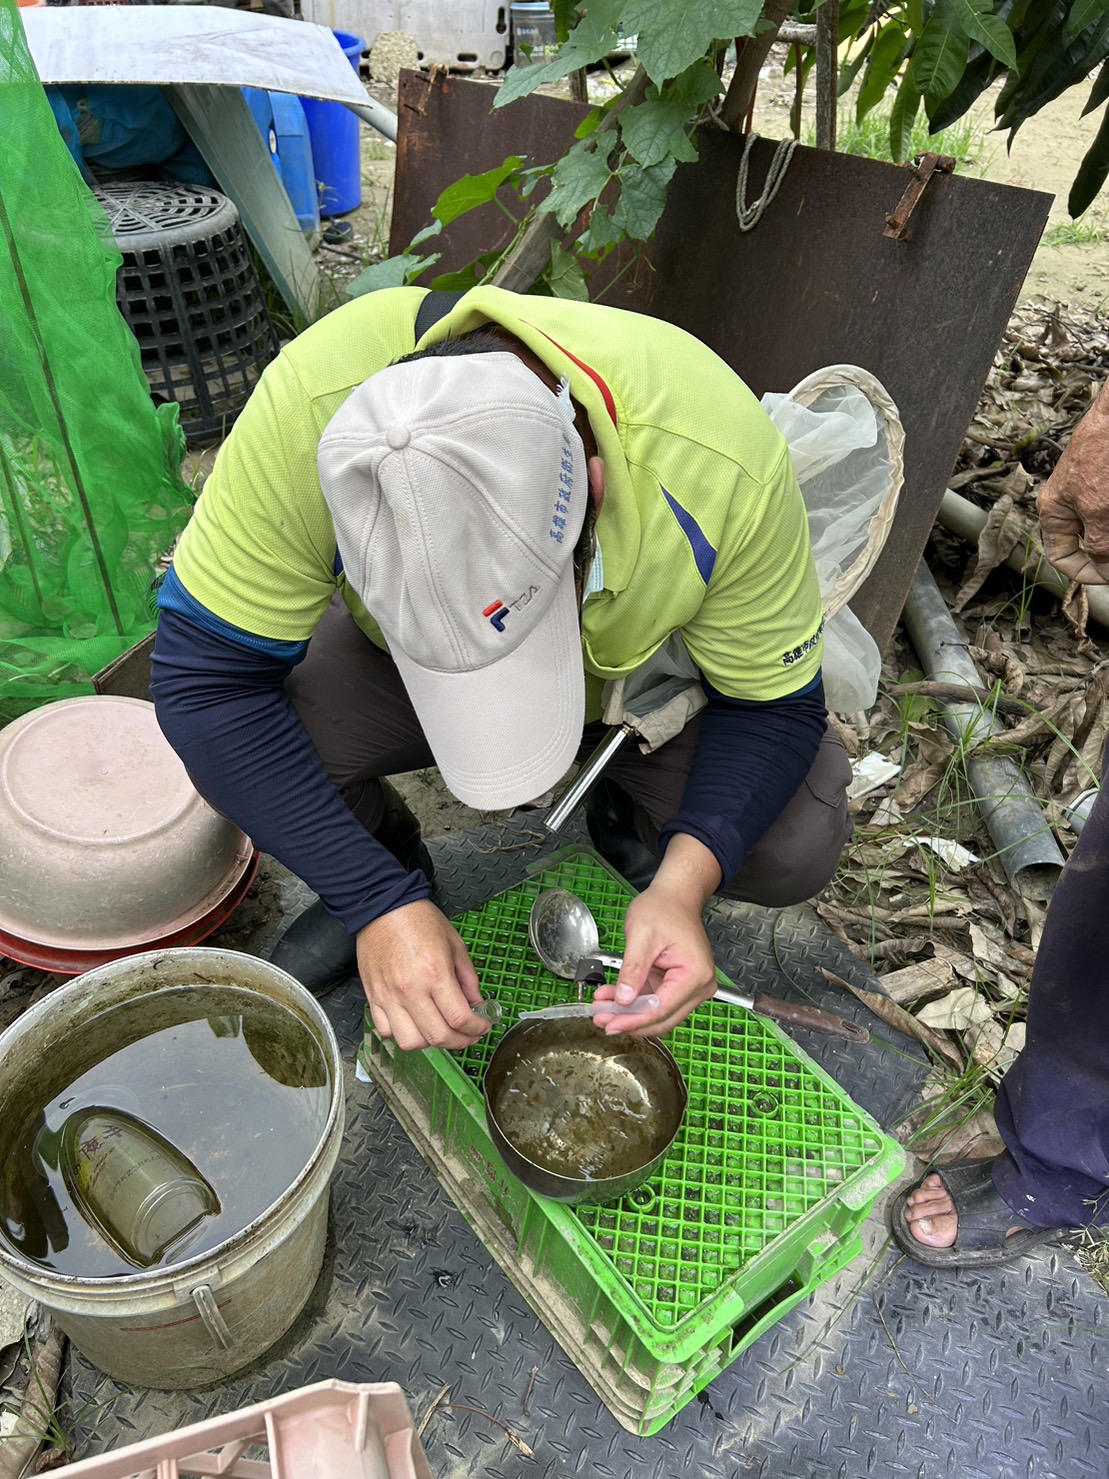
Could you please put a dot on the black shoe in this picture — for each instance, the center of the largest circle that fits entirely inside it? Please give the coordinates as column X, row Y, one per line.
column 609, row 815
column 400, row 833
column 316, row 950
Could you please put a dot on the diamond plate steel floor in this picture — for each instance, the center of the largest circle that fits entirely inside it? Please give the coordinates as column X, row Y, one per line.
column 887, row 1370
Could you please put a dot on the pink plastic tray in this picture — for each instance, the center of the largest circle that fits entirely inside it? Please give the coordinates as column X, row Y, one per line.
column 333, row 1430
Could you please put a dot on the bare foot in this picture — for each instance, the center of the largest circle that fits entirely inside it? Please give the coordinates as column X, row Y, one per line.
column 931, row 1214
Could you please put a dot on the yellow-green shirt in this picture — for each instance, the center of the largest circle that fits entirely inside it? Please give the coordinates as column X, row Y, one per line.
column 703, row 529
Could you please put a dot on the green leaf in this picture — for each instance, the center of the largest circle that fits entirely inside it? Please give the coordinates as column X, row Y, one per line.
column 579, row 177
column 426, row 234
column 886, row 56
column 940, row 55
column 1082, row 14
column 854, row 17
column 1092, row 171
column 565, row 277
column 1099, row 93
column 980, row 72
column 394, row 272
column 902, row 117
column 987, row 29
column 672, row 37
column 696, row 85
column 529, row 178
column 850, row 69
column 589, row 124
column 600, row 236
column 520, row 81
column 473, row 190
column 465, row 277
column 642, row 198
column 654, row 130
column 1049, row 65
column 565, row 14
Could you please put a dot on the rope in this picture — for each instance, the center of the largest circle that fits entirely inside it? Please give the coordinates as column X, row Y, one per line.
column 749, row 216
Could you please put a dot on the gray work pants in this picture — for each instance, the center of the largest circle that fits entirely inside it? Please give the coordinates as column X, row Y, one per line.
column 351, row 700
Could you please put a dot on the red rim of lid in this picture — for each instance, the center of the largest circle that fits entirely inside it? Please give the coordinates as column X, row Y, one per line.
column 75, row 962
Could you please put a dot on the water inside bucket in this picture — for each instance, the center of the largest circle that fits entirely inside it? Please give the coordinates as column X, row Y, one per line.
column 237, row 1085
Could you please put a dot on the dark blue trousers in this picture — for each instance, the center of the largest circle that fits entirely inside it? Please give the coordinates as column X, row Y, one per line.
column 1053, row 1104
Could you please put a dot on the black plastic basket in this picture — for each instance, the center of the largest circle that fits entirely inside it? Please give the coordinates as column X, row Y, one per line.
column 190, row 293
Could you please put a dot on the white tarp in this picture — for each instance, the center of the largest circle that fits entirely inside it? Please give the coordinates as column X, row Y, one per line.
column 167, row 44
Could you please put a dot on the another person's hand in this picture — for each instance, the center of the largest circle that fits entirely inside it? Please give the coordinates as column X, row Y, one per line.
column 419, row 980
column 1073, row 504
column 667, row 951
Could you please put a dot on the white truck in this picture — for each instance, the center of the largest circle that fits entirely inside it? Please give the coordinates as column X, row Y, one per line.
column 465, row 35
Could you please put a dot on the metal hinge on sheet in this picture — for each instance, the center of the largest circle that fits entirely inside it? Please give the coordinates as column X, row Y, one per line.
column 923, row 167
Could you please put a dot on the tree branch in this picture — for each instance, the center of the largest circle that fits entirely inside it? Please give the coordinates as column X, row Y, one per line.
column 532, row 251
column 741, row 92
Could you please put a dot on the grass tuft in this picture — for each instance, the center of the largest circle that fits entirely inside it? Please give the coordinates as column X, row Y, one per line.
column 1072, row 233
column 870, row 139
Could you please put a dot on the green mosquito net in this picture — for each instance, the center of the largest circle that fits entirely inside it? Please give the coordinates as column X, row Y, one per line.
column 91, row 495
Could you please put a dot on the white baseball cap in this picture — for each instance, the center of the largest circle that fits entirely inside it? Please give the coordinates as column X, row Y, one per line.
column 458, row 488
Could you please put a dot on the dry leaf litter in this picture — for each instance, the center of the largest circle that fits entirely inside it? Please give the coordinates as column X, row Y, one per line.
column 921, row 895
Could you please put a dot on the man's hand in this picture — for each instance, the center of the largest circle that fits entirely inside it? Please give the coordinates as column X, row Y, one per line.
column 419, row 980
column 1073, row 504
column 667, row 951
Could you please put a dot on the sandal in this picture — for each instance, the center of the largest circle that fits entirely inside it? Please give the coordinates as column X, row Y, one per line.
column 983, row 1239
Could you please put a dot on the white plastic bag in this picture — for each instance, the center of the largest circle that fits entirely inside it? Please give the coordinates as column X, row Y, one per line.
column 659, row 698
column 845, row 438
column 846, row 441
column 852, row 664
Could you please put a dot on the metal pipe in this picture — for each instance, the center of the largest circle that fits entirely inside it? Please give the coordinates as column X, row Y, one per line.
column 1078, row 812
column 1026, row 846
column 377, row 116
column 576, row 792
column 968, row 520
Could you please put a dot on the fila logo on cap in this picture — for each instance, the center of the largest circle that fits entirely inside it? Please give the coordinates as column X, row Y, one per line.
column 498, row 612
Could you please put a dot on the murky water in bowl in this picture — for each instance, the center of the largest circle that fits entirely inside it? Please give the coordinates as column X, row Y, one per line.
column 182, row 1089
column 587, row 1118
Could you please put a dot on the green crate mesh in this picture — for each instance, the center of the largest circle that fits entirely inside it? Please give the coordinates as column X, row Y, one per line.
column 767, row 1136
column 90, row 489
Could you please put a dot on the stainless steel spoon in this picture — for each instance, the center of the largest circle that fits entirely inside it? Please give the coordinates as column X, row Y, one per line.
column 564, row 935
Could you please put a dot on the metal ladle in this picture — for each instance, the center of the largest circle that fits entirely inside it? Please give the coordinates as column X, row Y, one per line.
column 564, row 935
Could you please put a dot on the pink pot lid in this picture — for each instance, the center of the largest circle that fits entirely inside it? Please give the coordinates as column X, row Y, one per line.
column 65, row 962
column 97, row 816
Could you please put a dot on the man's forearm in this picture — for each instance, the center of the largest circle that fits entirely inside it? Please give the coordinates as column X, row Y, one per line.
column 226, row 715
column 689, row 870
column 749, row 761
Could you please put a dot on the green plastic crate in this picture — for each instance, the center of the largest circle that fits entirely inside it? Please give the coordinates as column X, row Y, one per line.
column 760, row 1200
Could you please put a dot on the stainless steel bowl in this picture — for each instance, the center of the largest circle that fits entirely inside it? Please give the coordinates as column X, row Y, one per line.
column 580, row 1116
column 104, row 841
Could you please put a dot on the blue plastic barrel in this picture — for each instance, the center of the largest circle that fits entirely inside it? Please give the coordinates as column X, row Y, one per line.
column 335, row 136
column 281, row 122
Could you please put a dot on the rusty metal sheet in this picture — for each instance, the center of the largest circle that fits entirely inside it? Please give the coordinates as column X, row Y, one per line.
column 445, row 129
column 816, row 282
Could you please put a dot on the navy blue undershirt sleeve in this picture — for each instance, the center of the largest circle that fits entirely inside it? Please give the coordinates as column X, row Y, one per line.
column 749, row 760
column 222, row 707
